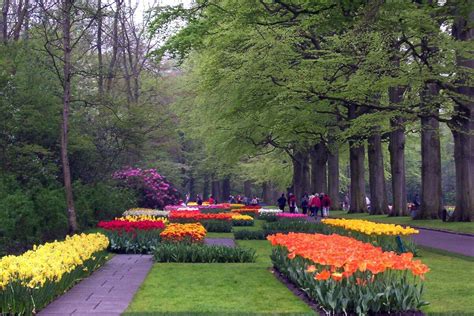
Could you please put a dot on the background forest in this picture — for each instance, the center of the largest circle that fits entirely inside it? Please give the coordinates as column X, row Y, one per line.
column 252, row 99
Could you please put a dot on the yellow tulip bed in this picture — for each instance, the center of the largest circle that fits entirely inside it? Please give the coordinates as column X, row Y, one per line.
column 242, row 220
column 371, row 228
column 30, row 281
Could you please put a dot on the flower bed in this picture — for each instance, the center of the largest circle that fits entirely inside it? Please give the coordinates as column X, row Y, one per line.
column 30, row 281
column 246, row 211
column 242, row 220
column 291, row 216
column 370, row 228
column 130, row 226
column 198, row 253
column 145, row 212
column 132, row 234
column 345, row 275
column 196, row 216
column 269, row 215
column 191, row 232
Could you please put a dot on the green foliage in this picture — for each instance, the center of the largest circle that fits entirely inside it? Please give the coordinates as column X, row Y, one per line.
column 249, row 235
column 135, row 242
column 387, row 293
column 217, row 226
column 237, row 222
column 20, row 300
column 197, row 253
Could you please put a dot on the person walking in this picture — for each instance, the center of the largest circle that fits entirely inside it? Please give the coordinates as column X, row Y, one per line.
column 292, row 202
column 315, row 204
column 326, row 205
column 282, row 202
column 199, row 200
column 304, row 203
column 345, row 203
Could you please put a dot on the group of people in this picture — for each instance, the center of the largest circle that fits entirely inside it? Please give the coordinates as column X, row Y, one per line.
column 314, row 203
column 232, row 200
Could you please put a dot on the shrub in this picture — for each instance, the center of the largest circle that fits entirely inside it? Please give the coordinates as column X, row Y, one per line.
column 136, row 242
column 198, row 253
column 239, row 222
column 217, row 226
column 292, row 225
column 250, row 235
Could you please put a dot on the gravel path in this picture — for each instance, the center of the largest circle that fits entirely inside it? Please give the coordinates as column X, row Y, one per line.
column 108, row 291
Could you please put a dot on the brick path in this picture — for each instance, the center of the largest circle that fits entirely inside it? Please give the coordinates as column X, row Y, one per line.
column 107, row 292
column 229, row 242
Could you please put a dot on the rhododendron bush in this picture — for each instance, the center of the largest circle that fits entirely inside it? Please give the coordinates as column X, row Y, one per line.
column 153, row 189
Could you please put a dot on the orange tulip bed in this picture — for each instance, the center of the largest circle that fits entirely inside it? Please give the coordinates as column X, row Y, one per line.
column 194, row 232
column 345, row 275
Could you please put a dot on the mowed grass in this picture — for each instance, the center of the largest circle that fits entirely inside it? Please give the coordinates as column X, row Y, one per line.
column 449, row 286
column 464, row 227
column 217, row 289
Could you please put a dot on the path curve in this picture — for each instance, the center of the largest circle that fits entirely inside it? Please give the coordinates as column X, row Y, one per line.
column 108, row 291
column 461, row 244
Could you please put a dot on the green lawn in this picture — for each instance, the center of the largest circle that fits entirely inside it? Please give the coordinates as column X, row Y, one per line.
column 465, row 227
column 448, row 286
column 217, row 289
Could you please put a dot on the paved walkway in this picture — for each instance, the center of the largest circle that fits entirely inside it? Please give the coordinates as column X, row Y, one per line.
column 107, row 292
column 228, row 242
column 461, row 244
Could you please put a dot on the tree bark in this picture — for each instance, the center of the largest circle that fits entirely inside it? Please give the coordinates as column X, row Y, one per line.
column 247, row 188
column 216, row 190
column 67, row 6
column 100, row 80
column 397, row 158
column 333, row 174
column 356, row 156
column 21, row 13
column 378, row 190
column 319, row 158
column 267, row 192
column 431, row 192
column 115, row 45
column 300, row 173
column 463, row 129
column 4, row 20
column 225, row 189
column 205, row 187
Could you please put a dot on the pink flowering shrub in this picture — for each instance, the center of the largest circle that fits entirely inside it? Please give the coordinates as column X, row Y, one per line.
column 290, row 215
column 154, row 191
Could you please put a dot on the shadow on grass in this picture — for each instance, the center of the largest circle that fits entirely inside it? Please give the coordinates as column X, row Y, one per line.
column 215, row 314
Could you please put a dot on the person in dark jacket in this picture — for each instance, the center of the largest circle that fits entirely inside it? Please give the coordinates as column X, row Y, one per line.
column 199, row 200
column 304, row 203
column 292, row 202
column 282, row 202
column 315, row 204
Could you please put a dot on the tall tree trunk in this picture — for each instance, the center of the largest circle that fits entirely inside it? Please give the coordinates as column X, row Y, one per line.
column 216, row 190
column 225, row 189
column 397, row 157
column 378, row 190
column 21, row 13
column 431, row 193
column 300, row 173
column 319, row 158
column 356, row 157
column 100, row 80
column 247, row 188
column 67, row 6
column 115, row 45
column 191, row 187
column 333, row 174
column 205, row 187
column 4, row 20
column 267, row 192
column 463, row 129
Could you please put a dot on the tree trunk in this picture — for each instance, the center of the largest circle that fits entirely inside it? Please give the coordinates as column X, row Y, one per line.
column 378, row 190
column 216, row 190
column 205, row 187
column 100, row 80
column 115, row 45
column 356, row 156
column 431, row 193
column 4, row 20
column 319, row 158
column 463, row 130
column 191, row 187
column 247, row 188
column 300, row 173
column 267, row 192
column 67, row 76
column 225, row 189
column 21, row 13
column 333, row 174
